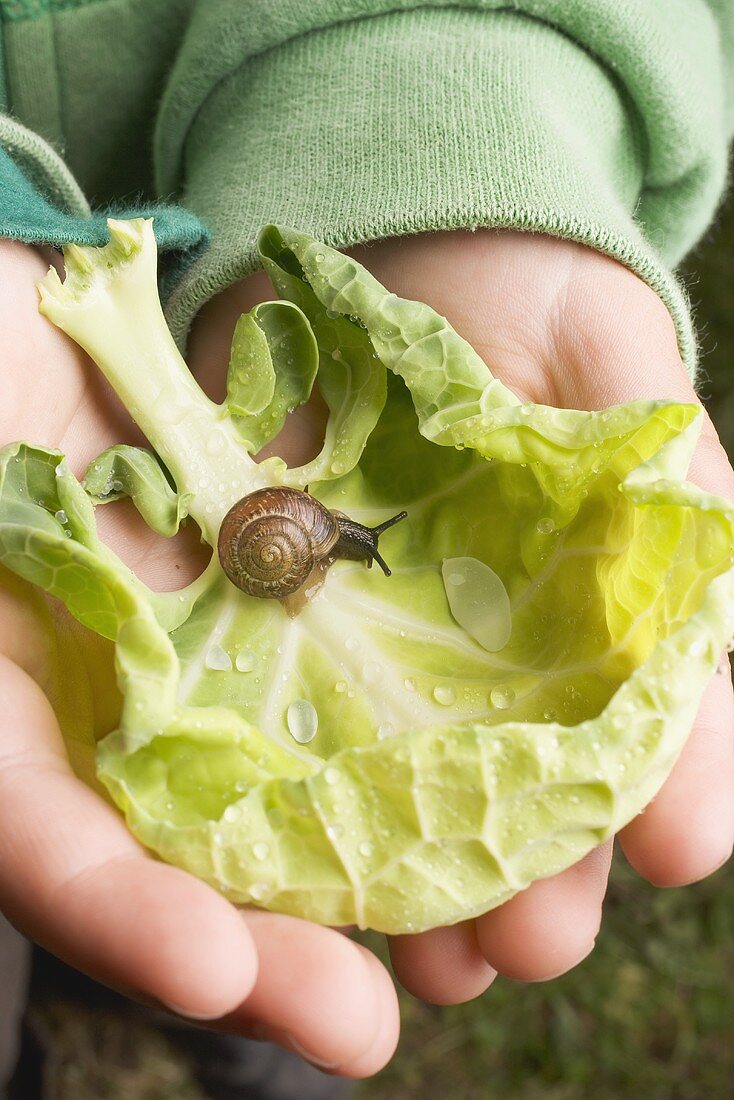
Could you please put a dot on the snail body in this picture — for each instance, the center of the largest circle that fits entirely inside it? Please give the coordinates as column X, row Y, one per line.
column 272, row 540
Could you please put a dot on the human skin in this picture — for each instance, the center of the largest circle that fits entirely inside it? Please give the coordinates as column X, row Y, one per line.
column 561, row 325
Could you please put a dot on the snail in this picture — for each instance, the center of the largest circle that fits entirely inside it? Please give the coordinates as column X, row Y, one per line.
column 271, row 541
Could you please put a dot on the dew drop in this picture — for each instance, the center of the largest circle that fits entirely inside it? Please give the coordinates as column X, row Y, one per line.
column 480, row 604
column 61, row 516
column 409, row 684
column 385, row 729
column 260, row 850
column 371, row 672
column 351, row 644
column 334, row 831
column 331, row 776
column 258, row 890
column 444, row 694
column 218, row 658
column 550, row 715
column 545, row 525
column 302, row 720
column 245, row 660
column 365, row 849
column 502, row 698
column 215, row 444
column 231, row 813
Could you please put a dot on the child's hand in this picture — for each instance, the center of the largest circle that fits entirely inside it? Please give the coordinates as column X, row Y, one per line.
column 558, row 323
column 564, row 326
column 71, row 875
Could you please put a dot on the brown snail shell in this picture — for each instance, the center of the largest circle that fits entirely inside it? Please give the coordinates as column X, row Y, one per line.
column 271, row 540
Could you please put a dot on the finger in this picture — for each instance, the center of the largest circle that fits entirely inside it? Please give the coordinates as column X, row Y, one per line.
column 444, row 966
column 320, row 995
column 550, row 927
column 73, row 879
column 687, row 832
column 80, row 414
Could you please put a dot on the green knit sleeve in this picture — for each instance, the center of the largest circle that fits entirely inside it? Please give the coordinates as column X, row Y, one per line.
column 359, row 119
column 83, row 78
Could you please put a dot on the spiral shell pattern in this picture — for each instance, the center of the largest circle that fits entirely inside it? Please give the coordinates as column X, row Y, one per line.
column 270, row 541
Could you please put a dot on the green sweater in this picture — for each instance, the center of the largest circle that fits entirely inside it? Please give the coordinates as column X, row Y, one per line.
column 604, row 122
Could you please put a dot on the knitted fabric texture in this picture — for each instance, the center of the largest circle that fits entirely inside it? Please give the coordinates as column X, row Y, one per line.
column 358, row 119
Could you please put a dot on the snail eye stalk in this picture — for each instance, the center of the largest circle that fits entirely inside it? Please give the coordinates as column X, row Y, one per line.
column 388, row 523
column 377, row 531
column 376, row 556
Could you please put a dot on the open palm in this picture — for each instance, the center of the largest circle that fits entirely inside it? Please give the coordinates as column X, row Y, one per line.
column 560, row 325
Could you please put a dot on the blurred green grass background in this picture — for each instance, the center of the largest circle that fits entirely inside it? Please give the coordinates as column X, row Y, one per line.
column 650, row 1014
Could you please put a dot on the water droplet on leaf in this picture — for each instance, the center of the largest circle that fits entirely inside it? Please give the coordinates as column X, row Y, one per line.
column 371, row 672
column 444, row 694
column 218, row 659
column 245, row 660
column 479, row 604
column 502, row 698
column 302, row 720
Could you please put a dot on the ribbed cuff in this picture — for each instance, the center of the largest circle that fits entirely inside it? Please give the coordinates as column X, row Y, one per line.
column 41, row 203
column 413, row 121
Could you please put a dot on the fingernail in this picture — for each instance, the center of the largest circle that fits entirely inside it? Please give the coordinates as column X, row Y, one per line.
column 705, row 874
column 264, row 1033
column 569, row 966
column 179, row 1011
column 297, row 1048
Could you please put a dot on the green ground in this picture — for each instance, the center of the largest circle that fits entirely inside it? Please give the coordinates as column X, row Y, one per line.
column 648, row 1015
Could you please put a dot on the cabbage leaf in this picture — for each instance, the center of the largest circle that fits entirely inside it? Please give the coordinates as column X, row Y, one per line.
column 370, row 760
